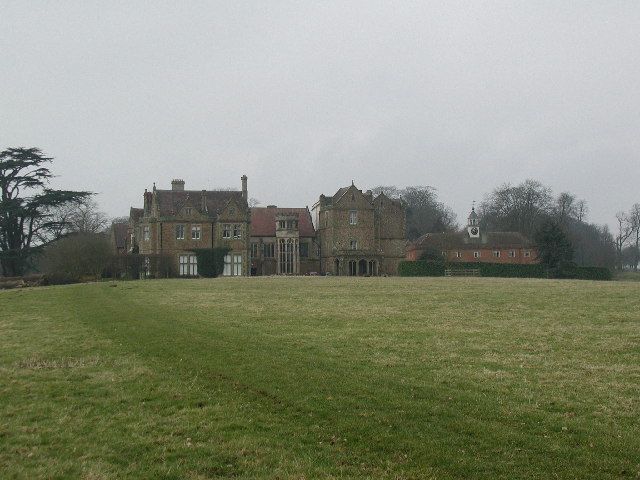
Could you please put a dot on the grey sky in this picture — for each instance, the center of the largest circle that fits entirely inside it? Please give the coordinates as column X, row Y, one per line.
column 303, row 97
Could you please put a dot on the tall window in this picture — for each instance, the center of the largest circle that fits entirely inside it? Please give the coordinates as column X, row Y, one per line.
column 146, row 233
column 232, row 265
column 353, row 217
column 179, row 232
column 458, row 254
column 187, row 211
column 496, row 253
column 268, row 250
column 196, row 231
column 304, row 250
column 237, row 264
column 254, row 250
column 188, row 265
column 226, row 230
column 353, row 244
column 237, row 230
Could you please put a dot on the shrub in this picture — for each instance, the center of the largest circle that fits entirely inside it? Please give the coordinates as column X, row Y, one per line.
column 211, row 261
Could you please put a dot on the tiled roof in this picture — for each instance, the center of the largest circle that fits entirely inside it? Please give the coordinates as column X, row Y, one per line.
column 446, row 241
column 171, row 201
column 136, row 213
column 120, row 231
column 263, row 221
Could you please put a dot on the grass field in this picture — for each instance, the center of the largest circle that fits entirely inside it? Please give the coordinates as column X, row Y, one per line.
column 321, row 378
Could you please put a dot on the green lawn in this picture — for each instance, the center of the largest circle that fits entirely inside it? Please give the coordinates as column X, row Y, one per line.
column 321, row 378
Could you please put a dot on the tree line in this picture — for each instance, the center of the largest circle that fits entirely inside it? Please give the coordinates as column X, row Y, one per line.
column 532, row 209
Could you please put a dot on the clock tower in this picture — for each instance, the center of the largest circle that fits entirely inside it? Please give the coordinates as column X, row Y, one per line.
column 473, row 227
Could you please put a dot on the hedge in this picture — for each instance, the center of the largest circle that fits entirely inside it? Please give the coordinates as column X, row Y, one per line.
column 211, row 261
column 433, row 269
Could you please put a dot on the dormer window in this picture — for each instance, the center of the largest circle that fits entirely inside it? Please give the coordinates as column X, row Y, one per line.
column 187, row 211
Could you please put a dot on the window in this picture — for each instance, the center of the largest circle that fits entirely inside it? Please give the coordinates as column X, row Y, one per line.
column 254, row 250
column 187, row 211
column 237, row 230
column 232, row 265
column 527, row 253
column 458, row 254
column 268, row 250
column 496, row 253
column 476, row 254
column 196, row 231
column 304, row 250
column 188, row 265
column 237, row 264
column 512, row 254
column 444, row 254
column 146, row 233
column 226, row 230
column 353, row 217
column 353, row 244
column 179, row 232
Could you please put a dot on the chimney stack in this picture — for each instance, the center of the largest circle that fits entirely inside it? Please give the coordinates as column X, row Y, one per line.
column 177, row 185
column 245, row 194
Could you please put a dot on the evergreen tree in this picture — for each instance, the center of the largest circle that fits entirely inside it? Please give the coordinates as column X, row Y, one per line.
column 554, row 248
column 27, row 206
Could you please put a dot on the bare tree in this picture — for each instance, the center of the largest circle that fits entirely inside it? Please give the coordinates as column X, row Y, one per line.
column 521, row 208
column 253, row 202
column 625, row 230
column 424, row 212
column 634, row 217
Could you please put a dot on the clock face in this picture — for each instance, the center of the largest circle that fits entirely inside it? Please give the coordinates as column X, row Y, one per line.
column 474, row 231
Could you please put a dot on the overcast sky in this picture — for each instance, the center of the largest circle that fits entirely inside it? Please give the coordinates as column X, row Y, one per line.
column 303, row 97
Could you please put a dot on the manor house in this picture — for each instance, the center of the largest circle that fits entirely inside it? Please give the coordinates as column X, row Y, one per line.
column 354, row 233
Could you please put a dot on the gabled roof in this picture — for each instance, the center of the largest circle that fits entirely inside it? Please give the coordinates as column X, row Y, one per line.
column 171, row 201
column 449, row 240
column 120, row 232
column 263, row 221
column 136, row 214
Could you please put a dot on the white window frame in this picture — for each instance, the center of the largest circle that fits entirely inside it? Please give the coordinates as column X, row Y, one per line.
column 476, row 254
column 226, row 230
column 146, row 232
column 512, row 254
column 196, row 232
column 237, row 230
column 237, row 264
column 458, row 254
column 188, row 265
column 232, row 265
column 353, row 217
column 180, row 231
column 496, row 253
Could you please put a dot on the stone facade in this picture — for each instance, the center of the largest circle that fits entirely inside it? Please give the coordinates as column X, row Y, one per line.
column 475, row 245
column 174, row 222
column 360, row 235
column 283, row 242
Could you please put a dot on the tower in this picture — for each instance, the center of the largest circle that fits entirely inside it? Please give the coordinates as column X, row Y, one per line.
column 473, row 227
